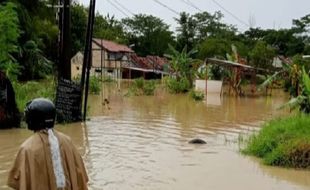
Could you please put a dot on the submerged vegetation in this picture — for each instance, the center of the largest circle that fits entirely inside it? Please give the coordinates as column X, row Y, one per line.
column 197, row 95
column 141, row 87
column 286, row 141
column 283, row 142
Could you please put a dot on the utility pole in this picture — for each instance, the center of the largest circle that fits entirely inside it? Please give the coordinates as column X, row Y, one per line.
column 64, row 65
column 87, row 57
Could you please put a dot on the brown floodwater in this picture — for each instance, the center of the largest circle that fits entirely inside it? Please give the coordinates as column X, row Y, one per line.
column 141, row 143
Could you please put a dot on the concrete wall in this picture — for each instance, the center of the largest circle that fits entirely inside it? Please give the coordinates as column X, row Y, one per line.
column 212, row 85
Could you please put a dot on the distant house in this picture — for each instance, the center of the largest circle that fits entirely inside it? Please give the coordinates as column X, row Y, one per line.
column 76, row 65
column 279, row 60
column 120, row 62
column 108, row 57
column 149, row 67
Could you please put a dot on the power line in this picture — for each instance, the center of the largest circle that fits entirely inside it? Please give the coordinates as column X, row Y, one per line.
column 188, row 2
column 125, row 8
column 120, row 10
column 230, row 13
column 162, row 4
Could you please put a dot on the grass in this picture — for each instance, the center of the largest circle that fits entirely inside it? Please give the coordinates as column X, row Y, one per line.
column 283, row 142
column 24, row 92
column 141, row 87
column 196, row 95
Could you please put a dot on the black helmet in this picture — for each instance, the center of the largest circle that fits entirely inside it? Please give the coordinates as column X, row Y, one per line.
column 40, row 114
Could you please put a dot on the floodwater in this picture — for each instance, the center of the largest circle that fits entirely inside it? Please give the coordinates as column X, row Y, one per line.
column 140, row 143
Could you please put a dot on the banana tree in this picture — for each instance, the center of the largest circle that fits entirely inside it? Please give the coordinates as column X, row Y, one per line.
column 301, row 101
column 182, row 64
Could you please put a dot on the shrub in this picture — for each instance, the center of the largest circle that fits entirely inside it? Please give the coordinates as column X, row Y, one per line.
column 142, row 87
column 24, row 92
column 175, row 86
column 283, row 142
column 197, row 95
column 94, row 85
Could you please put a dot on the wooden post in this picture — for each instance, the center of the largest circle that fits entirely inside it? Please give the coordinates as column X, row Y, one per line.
column 65, row 43
column 87, row 55
column 206, row 78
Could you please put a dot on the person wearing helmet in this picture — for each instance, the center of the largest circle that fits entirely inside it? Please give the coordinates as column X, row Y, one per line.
column 48, row 159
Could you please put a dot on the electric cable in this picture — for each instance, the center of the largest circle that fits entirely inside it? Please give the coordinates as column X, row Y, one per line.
column 122, row 6
column 230, row 13
column 116, row 7
column 188, row 2
column 167, row 7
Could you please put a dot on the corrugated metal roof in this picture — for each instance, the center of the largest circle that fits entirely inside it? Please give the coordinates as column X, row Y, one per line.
column 112, row 46
column 226, row 62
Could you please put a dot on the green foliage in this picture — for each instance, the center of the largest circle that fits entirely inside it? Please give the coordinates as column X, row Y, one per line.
column 149, row 34
column 94, row 85
column 141, row 87
column 10, row 33
column 36, row 66
column 24, row 92
column 214, row 47
column 109, row 79
column 283, row 142
column 149, row 88
column 109, row 28
column 196, row 28
column 177, row 86
column 78, row 27
column 197, row 95
column 262, row 55
column 182, row 63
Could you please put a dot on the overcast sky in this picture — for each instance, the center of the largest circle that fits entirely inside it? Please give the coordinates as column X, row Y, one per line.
column 241, row 13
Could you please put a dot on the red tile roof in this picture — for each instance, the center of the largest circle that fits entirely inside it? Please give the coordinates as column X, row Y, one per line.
column 149, row 62
column 112, row 46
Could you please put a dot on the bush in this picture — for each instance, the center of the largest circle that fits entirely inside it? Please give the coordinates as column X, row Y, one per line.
column 94, row 85
column 197, row 95
column 149, row 88
column 283, row 142
column 175, row 86
column 24, row 92
column 142, row 87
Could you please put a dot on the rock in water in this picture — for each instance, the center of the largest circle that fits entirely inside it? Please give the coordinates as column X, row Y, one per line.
column 197, row 141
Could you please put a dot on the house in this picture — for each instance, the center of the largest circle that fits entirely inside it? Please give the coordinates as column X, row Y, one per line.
column 76, row 65
column 118, row 61
column 108, row 57
column 149, row 67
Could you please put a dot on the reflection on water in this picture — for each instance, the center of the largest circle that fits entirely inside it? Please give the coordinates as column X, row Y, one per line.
column 141, row 143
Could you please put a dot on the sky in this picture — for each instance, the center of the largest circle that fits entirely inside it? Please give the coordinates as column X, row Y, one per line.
column 271, row 14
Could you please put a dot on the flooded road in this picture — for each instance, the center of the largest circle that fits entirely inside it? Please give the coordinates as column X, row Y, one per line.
column 141, row 143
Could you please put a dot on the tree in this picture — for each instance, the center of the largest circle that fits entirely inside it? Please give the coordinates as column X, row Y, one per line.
column 10, row 33
column 284, row 41
column 194, row 29
column 182, row 63
column 214, row 47
column 149, row 34
column 78, row 27
column 38, row 24
column 302, row 29
column 186, row 31
column 262, row 55
column 109, row 28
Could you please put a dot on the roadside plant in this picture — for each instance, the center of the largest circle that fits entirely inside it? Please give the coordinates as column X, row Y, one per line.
column 141, row 87
column 182, row 64
column 197, row 95
column 302, row 101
